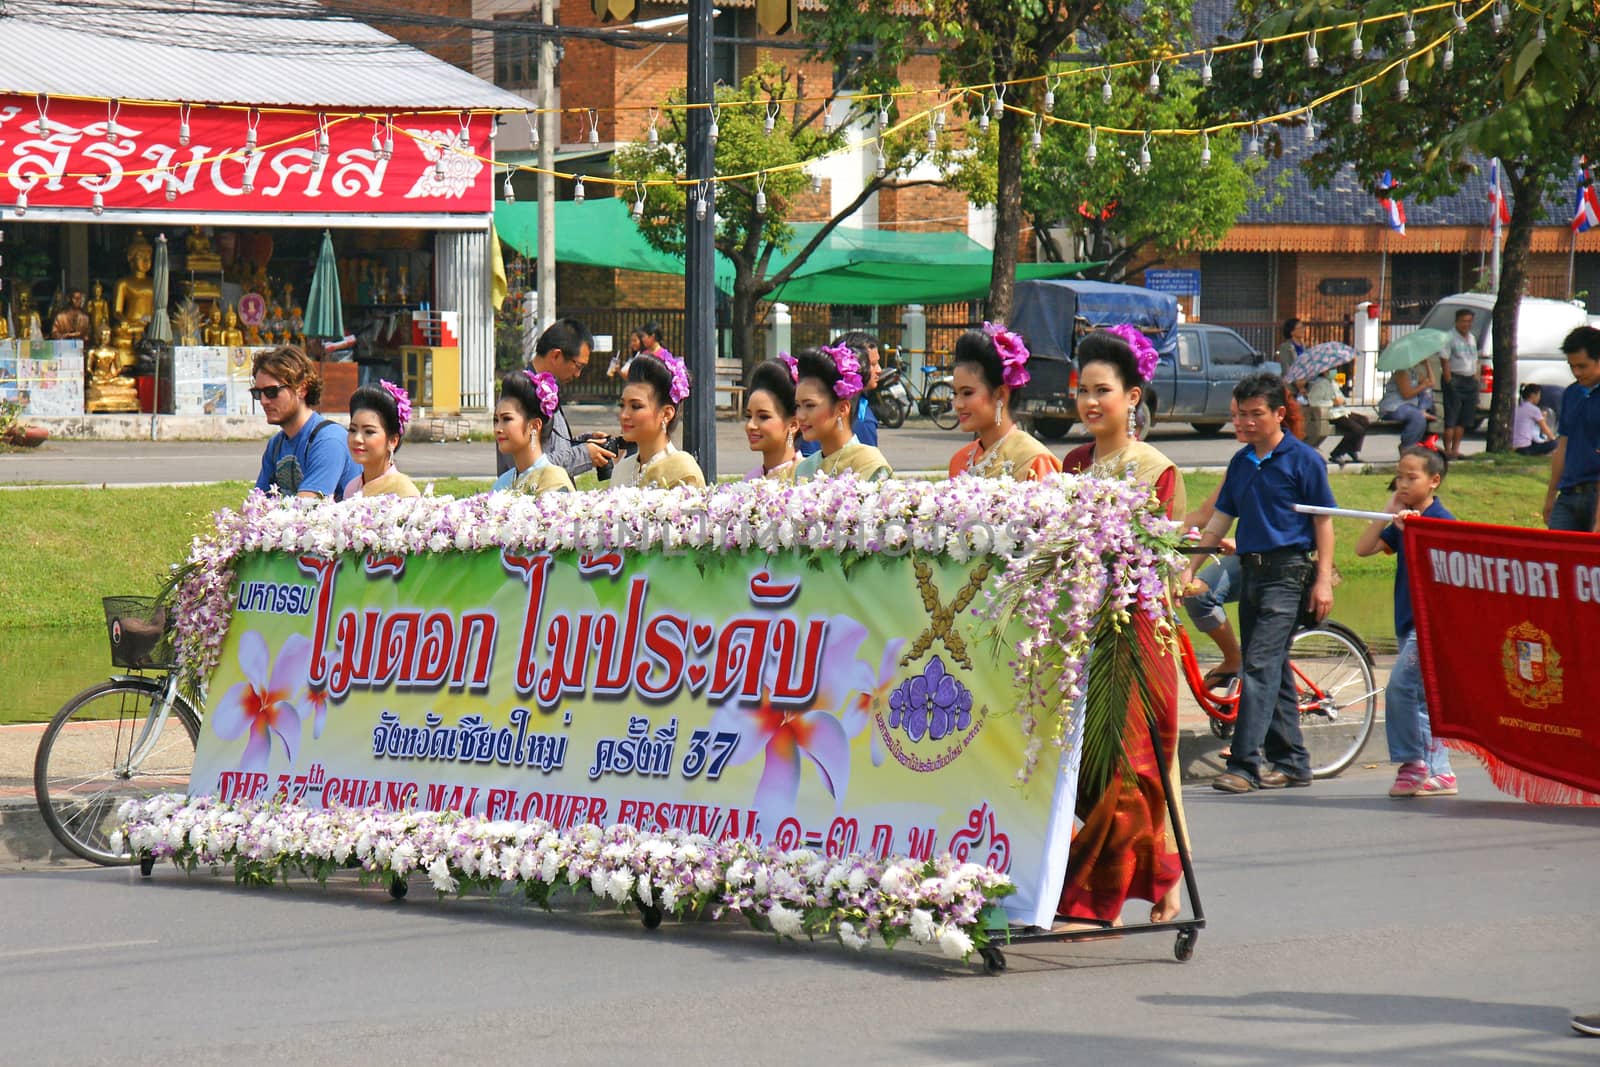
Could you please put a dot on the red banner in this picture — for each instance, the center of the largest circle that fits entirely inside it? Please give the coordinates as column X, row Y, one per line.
column 61, row 153
column 1506, row 623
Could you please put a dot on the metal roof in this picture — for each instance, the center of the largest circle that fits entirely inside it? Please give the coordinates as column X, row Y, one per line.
column 224, row 52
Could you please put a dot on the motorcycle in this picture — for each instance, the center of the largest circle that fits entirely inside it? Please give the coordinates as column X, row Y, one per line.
column 891, row 400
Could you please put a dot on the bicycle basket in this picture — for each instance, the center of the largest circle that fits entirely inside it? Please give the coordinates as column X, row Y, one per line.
column 137, row 628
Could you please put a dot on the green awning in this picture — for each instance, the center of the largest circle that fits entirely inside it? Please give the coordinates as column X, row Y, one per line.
column 851, row 266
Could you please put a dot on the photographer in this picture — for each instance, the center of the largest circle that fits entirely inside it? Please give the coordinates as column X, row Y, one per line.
column 563, row 352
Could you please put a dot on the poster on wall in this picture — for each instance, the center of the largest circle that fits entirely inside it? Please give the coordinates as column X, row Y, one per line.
column 46, row 377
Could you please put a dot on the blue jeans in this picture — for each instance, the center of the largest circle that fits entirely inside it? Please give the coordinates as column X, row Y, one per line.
column 1222, row 587
column 1405, row 713
column 1574, row 509
column 1412, row 421
column 1271, row 596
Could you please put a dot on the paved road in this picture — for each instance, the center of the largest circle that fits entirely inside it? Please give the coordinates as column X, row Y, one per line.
column 916, row 446
column 1344, row 928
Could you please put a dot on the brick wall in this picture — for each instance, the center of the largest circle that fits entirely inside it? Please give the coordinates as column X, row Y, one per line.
column 451, row 45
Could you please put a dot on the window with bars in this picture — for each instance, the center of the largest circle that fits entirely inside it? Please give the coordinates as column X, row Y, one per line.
column 516, row 59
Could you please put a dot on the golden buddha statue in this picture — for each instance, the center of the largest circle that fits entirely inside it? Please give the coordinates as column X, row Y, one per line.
column 99, row 311
column 232, row 336
column 198, row 255
column 71, row 322
column 106, row 389
column 297, row 327
column 29, row 328
column 213, row 331
column 134, row 298
column 5, row 320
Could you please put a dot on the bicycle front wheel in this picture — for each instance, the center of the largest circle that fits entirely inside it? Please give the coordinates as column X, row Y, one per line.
column 1337, row 695
column 102, row 749
column 942, row 405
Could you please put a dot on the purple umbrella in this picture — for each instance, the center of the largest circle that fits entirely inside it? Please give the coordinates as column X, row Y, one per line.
column 1318, row 359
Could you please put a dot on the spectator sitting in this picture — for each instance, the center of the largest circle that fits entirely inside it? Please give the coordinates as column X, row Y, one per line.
column 1530, row 433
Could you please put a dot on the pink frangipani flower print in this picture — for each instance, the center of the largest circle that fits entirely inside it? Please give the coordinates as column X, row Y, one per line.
column 264, row 705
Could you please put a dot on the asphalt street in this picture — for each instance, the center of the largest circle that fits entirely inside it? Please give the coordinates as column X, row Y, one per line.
column 1343, row 927
column 917, row 446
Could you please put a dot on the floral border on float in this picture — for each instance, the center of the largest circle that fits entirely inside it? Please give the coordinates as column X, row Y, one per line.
column 855, row 898
column 1080, row 554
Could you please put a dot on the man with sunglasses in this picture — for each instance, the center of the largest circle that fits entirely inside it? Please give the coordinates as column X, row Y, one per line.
column 305, row 457
column 563, row 351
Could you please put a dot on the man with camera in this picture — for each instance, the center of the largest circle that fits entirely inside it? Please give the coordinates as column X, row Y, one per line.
column 563, row 351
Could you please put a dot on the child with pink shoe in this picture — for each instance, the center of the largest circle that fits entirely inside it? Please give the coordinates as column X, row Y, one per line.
column 1424, row 765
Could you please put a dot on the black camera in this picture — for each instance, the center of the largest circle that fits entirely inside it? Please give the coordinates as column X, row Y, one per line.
column 615, row 446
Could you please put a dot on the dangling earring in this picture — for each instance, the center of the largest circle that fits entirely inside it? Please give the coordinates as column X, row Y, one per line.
column 999, row 416
column 1133, row 423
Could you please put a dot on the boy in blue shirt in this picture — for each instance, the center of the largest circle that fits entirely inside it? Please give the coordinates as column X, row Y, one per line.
column 307, row 456
column 1569, row 504
column 1424, row 765
column 1273, row 472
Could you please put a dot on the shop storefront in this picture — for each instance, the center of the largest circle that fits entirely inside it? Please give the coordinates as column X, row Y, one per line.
column 235, row 196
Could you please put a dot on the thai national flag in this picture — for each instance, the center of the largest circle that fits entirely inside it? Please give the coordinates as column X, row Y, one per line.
column 1497, row 199
column 1586, row 205
column 1394, row 212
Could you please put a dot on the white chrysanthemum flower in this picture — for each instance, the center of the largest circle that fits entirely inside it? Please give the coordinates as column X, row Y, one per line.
column 857, row 880
column 439, row 875
column 852, row 937
column 785, row 921
column 954, row 942
column 922, row 930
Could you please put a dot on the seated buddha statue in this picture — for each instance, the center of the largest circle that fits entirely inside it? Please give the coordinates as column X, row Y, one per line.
column 105, row 388
column 71, row 323
column 232, row 336
column 213, row 330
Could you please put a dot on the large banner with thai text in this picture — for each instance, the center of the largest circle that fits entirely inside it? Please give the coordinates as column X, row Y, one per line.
column 1506, row 619
column 65, row 153
column 786, row 700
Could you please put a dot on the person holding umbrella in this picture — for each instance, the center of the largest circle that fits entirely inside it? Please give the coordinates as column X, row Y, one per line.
column 1409, row 394
column 1311, row 373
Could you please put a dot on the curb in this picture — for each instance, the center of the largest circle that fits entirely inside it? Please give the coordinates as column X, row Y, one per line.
column 26, row 843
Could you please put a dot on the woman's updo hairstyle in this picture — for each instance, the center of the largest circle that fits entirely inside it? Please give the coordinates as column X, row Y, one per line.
column 1102, row 347
column 977, row 349
column 650, row 370
column 817, row 364
column 773, row 377
column 378, row 400
column 519, row 388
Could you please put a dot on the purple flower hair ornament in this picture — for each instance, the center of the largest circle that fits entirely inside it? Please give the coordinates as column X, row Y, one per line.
column 849, row 367
column 680, row 377
column 793, row 364
column 1144, row 353
column 548, row 392
column 1013, row 354
column 402, row 402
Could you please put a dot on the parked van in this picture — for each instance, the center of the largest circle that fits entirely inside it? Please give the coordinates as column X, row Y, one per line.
column 1541, row 327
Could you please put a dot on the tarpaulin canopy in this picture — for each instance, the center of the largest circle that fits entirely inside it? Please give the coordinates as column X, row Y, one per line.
column 1045, row 312
column 850, row 266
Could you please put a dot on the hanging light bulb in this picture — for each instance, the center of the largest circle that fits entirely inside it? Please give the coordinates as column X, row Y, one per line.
column 510, row 193
column 99, row 207
column 827, row 123
column 1253, row 144
column 1497, row 19
column 712, row 133
column 700, row 208
column 771, row 121
column 1313, row 58
column 1205, row 70
column 1460, row 21
column 1258, row 65
column 883, row 163
column 1036, row 140
column 983, row 119
column 438, row 167
column 883, row 117
column 1538, row 33
column 183, row 127
column 172, row 185
column 1448, row 60
column 940, row 117
column 761, row 201
column 933, row 135
column 249, row 185
column 113, row 109
column 1155, row 79
column 594, row 134
column 1105, row 88
column 22, row 203
column 388, row 144
column 1311, row 128
column 1402, row 88
column 638, row 207
column 250, row 142
column 377, row 145
column 1356, row 47
column 1408, row 39
column 1144, row 154
column 1050, row 96
column 816, row 183
column 577, row 192
column 1092, row 153
column 1205, row 149
column 1355, row 109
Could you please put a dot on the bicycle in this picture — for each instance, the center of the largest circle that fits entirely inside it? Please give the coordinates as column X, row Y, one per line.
column 110, row 743
column 1338, row 698
column 936, row 399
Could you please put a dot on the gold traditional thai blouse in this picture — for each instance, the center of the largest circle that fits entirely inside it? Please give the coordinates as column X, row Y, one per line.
column 1018, row 456
column 867, row 463
column 666, row 469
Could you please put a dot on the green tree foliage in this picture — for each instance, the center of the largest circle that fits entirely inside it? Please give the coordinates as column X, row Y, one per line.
column 1527, row 94
column 1114, row 208
column 769, row 159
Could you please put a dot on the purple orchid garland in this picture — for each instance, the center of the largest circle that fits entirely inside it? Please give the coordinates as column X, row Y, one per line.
column 547, row 390
column 402, row 402
column 1144, row 353
column 849, row 367
column 1013, row 354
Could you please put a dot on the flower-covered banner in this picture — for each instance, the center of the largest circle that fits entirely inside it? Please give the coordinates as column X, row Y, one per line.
column 798, row 668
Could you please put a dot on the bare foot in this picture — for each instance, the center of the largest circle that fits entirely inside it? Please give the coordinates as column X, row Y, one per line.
column 1076, row 926
column 1167, row 908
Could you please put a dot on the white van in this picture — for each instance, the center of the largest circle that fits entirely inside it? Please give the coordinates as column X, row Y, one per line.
column 1541, row 327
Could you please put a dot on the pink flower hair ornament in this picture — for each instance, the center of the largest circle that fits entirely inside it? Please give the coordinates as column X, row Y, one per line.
column 1013, row 354
column 402, row 402
column 547, row 390
column 680, row 377
column 1144, row 353
column 849, row 368
column 793, row 364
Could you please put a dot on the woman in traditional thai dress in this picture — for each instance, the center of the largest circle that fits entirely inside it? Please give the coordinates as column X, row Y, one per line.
column 769, row 420
column 647, row 412
column 1127, row 846
column 378, row 417
column 523, row 423
column 991, row 367
column 829, row 381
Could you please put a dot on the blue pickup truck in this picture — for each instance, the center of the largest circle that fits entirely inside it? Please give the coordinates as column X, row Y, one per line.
column 1200, row 363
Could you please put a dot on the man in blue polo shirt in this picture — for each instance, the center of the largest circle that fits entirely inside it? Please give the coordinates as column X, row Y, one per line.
column 1569, row 503
column 1265, row 480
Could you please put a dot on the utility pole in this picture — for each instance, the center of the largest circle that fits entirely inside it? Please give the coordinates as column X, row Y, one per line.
column 700, row 306
column 549, row 127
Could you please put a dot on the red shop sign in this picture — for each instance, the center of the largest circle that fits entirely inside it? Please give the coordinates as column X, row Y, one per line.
column 132, row 156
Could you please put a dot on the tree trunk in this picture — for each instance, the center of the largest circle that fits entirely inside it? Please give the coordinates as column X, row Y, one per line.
column 1527, row 191
column 1007, row 216
column 744, row 320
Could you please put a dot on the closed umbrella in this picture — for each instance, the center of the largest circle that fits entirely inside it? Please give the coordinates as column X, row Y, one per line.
column 1318, row 359
column 1406, row 352
column 324, row 312
column 160, row 328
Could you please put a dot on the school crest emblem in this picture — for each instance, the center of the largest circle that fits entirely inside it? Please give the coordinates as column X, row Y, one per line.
column 1532, row 666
